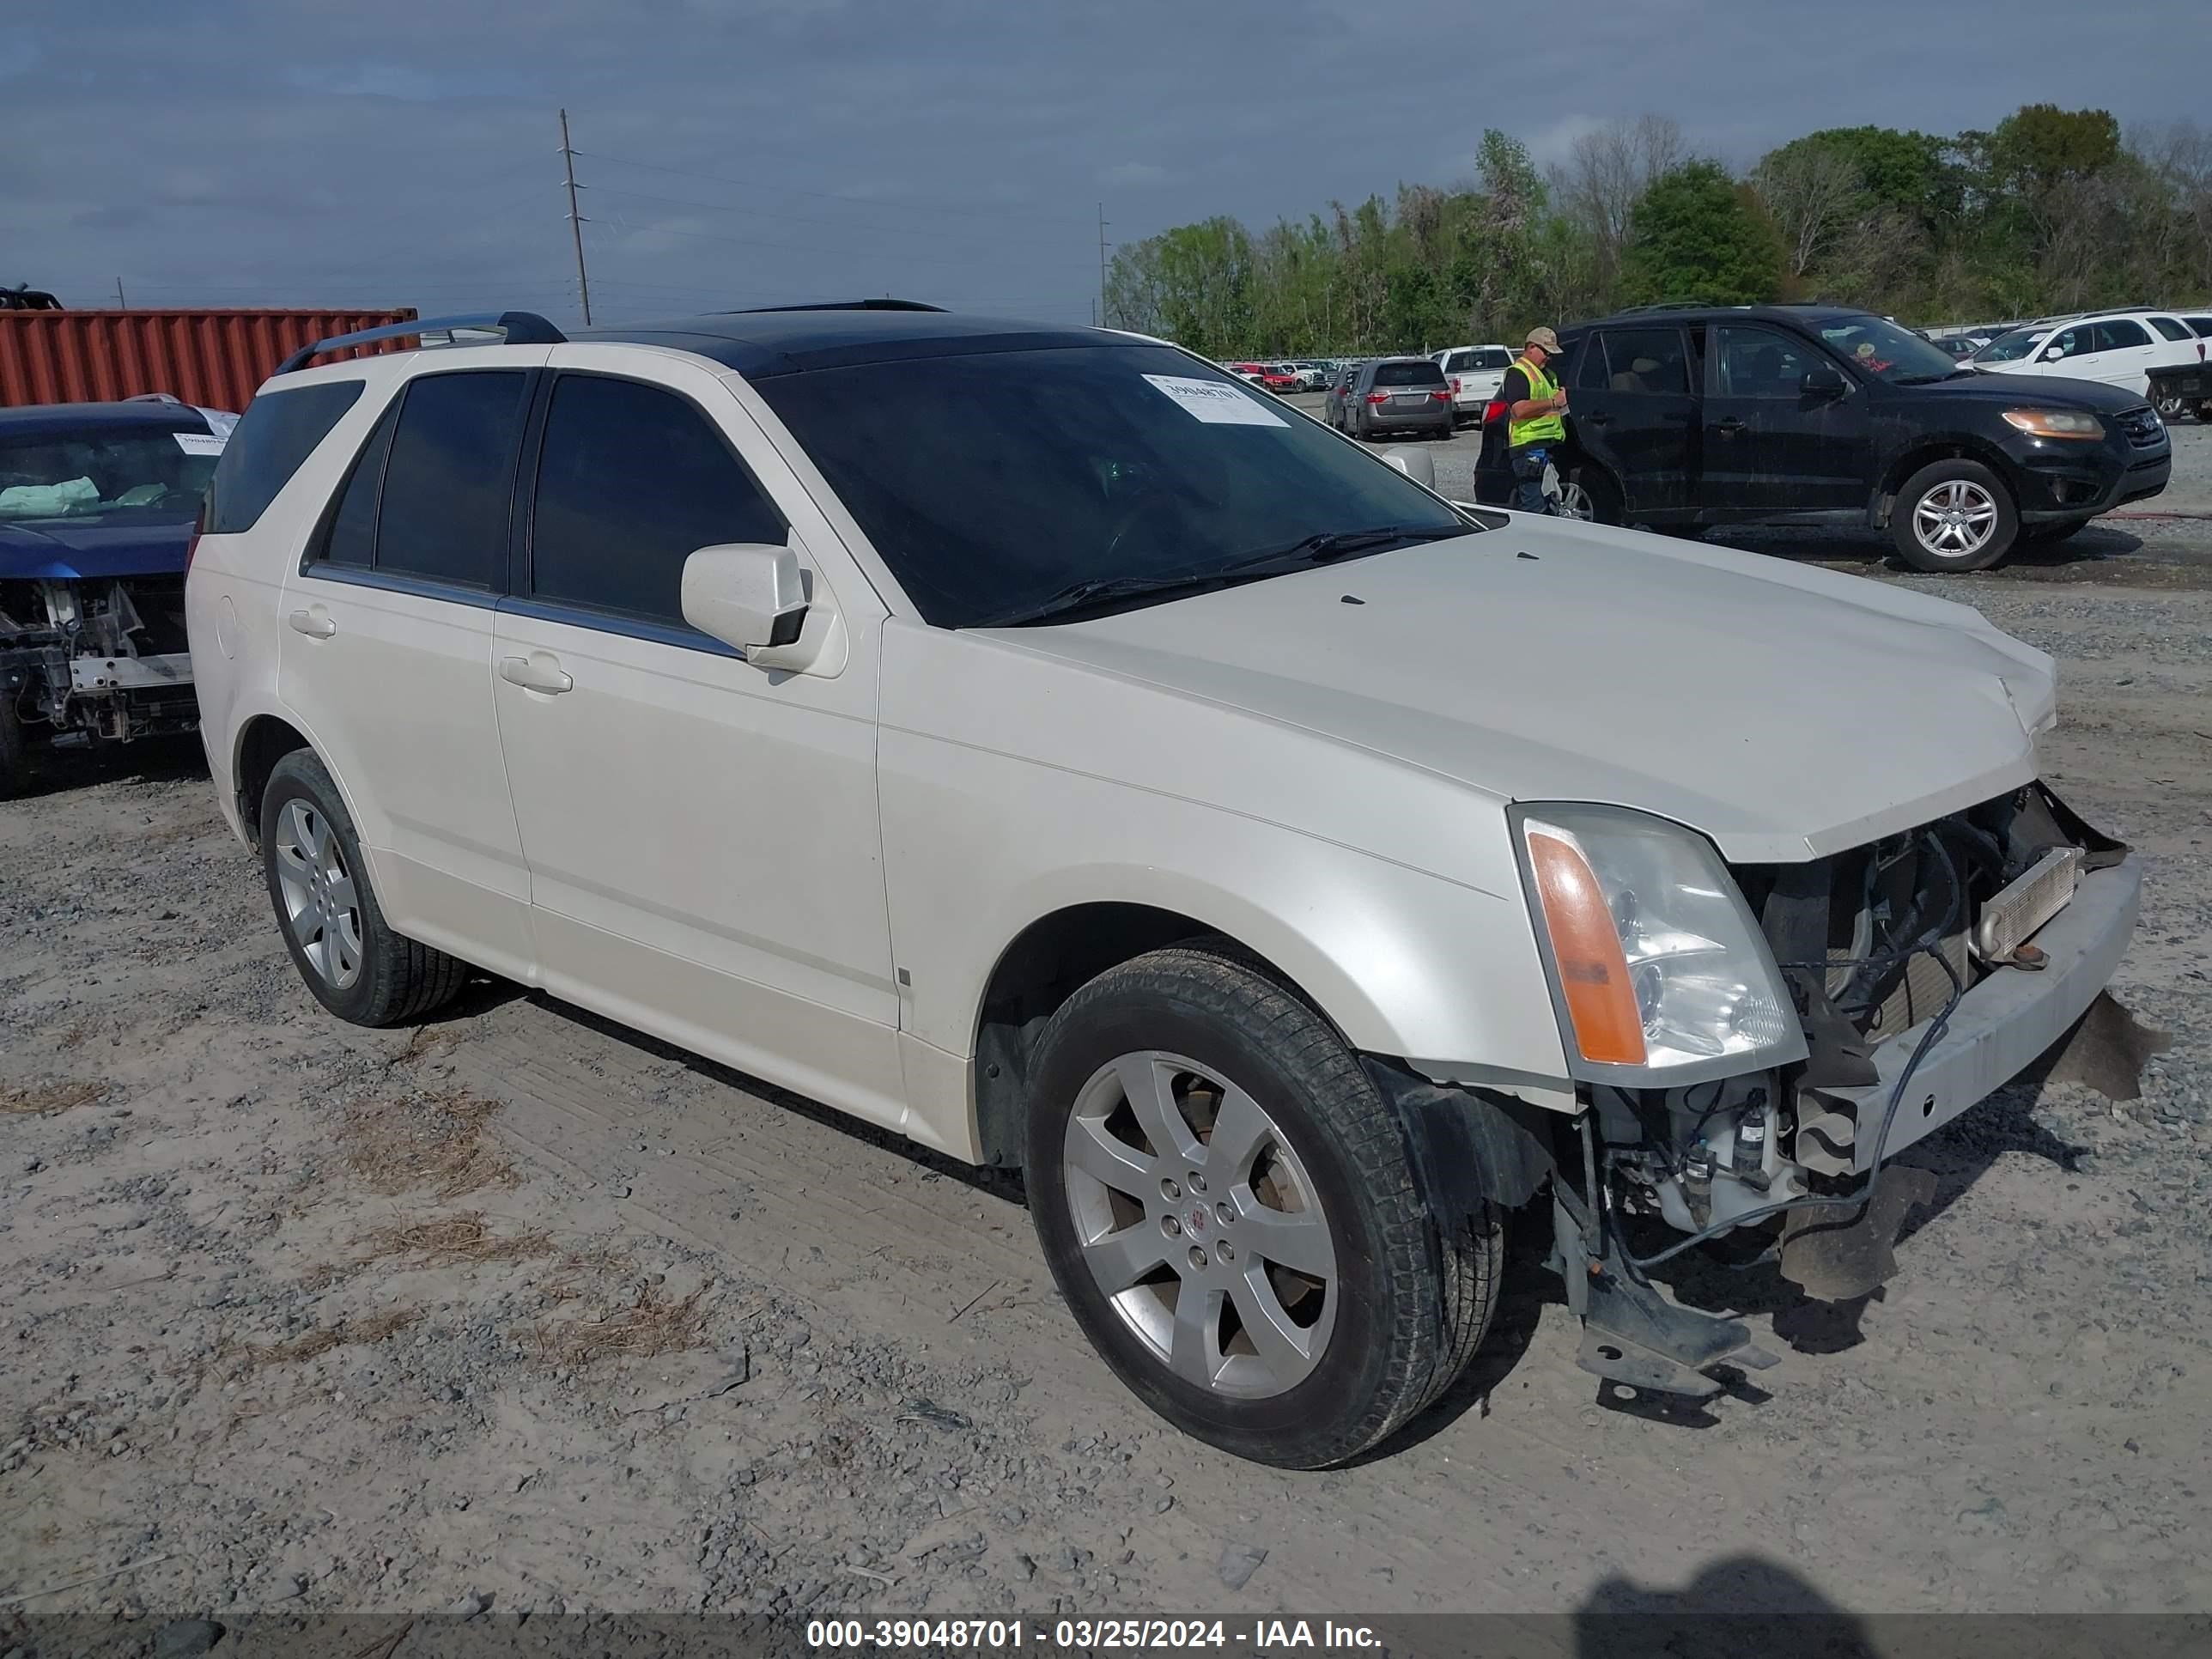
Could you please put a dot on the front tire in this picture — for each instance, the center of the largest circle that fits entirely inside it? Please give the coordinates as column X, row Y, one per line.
column 1953, row 515
column 1226, row 1202
column 327, row 911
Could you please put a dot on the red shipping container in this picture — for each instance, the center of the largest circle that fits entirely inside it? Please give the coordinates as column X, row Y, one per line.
column 215, row 359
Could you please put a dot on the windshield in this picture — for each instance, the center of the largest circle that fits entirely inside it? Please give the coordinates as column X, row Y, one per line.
column 89, row 473
column 2009, row 348
column 1886, row 351
column 990, row 483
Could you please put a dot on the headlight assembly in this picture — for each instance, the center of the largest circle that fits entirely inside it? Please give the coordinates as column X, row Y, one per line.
column 2055, row 422
column 1659, row 974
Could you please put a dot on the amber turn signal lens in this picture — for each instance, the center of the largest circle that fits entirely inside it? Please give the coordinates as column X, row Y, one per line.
column 1586, row 947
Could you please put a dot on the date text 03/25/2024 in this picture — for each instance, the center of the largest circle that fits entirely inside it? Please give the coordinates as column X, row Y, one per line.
column 1091, row 1635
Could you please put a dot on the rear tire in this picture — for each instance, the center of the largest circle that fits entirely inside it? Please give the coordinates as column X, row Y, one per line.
column 327, row 910
column 1598, row 489
column 1301, row 1365
column 1953, row 515
column 12, row 766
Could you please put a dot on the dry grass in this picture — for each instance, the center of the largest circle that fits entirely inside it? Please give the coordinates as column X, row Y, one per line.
column 75, row 1034
column 435, row 1140
column 450, row 1241
column 346, row 1333
column 426, row 1043
column 652, row 1327
column 25, row 1099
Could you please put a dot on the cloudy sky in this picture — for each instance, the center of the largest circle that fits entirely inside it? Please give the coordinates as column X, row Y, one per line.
column 734, row 152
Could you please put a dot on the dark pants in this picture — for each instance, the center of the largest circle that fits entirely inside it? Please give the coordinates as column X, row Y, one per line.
column 1529, row 494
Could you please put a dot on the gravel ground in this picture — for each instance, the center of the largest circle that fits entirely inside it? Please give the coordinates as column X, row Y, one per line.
column 518, row 1311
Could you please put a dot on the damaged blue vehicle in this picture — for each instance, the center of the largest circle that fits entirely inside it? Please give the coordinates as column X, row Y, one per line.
column 98, row 505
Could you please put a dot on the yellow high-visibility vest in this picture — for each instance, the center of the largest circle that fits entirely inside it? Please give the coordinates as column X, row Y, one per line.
column 1550, row 429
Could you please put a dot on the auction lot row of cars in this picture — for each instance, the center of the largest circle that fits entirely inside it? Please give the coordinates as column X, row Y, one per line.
column 892, row 705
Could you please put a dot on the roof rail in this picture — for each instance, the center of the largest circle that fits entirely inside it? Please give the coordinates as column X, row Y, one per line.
column 884, row 304
column 1677, row 305
column 521, row 328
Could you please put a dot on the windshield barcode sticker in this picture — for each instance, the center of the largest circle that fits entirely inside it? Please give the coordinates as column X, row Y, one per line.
column 199, row 443
column 1215, row 402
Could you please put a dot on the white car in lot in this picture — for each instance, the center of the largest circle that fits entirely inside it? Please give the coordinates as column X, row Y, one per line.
column 1476, row 372
column 2118, row 348
column 1035, row 742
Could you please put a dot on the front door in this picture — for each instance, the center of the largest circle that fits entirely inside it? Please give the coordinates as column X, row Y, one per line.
column 1633, row 408
column 1770, row 446
column 704, row 849
column 386, row 656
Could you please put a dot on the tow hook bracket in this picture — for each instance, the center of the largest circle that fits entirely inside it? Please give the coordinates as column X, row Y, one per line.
column 1632, row 1335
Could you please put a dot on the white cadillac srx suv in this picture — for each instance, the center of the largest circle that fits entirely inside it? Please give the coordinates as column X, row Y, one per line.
column 1035, row 741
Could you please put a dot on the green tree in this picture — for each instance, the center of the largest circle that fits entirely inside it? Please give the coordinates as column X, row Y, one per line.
column 1697, row 235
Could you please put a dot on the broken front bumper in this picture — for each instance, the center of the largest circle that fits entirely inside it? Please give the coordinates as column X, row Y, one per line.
column 2002, row 1025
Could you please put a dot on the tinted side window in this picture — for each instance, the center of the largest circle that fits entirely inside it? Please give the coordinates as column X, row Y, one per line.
column 2069, row 342
column 2172, row 327
column 1757, row 363
column 633, row 480
column 351, row 538
column 1647, row 360
column 277, row 432
column 1590, row 367
column 447, row 480
column 2117, row 333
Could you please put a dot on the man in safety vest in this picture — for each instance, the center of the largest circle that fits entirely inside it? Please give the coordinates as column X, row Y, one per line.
column 1535, row 404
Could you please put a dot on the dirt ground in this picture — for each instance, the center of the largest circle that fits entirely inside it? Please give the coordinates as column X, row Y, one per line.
column 517, row 1309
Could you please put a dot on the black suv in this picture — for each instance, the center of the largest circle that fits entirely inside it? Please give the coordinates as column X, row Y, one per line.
column 1711, row 415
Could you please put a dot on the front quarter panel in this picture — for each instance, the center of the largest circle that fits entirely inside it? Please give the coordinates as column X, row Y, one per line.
column 1015, row 785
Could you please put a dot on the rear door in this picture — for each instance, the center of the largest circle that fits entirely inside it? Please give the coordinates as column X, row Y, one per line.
column 2123, row 350
column 1634, row 409
column 387, row 654
column 1770, row 446
column 705, row 855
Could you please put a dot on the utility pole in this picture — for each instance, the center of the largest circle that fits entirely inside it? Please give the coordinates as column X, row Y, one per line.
column 1102, row 265
column 575, row 221
column 121, row 304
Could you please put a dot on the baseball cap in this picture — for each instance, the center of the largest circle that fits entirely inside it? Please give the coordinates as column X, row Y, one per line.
column 1543, row 337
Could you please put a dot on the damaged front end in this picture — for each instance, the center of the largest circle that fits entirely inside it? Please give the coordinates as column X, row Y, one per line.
column 87, row 660
column 1924, row 971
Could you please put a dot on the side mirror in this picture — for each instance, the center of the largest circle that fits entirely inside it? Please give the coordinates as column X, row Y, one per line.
column 2053, row 355
column 748, row 594
column 1822, row 382
column 1416, row 463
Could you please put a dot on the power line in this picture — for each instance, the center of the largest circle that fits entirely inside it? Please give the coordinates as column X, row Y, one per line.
column 802, row 219
column 791, row 247
column 820, row 195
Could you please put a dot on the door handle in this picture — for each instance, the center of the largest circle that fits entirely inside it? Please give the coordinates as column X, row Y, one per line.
column 316, row 624
column 1600, row 419
column 1730, row 425
column 535, row 675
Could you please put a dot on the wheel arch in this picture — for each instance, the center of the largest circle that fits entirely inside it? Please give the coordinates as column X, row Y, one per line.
column 1926, row 451
column 1047, row 962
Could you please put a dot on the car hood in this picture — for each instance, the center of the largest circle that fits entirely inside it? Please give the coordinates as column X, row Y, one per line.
column 1988, row 385
column 125, row 543
column 1787, row 712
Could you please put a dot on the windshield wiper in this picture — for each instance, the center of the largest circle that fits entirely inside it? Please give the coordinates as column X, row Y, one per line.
column 1332, row 544
column 1307, row 550
column 1098, row 590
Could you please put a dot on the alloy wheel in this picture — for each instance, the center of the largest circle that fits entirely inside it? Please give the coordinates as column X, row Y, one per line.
column 1575, row 503
column 321, row 907
column 1955, row 519
column 1200, row 1225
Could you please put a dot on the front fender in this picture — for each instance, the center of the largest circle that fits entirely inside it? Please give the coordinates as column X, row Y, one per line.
column 1405, row 963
